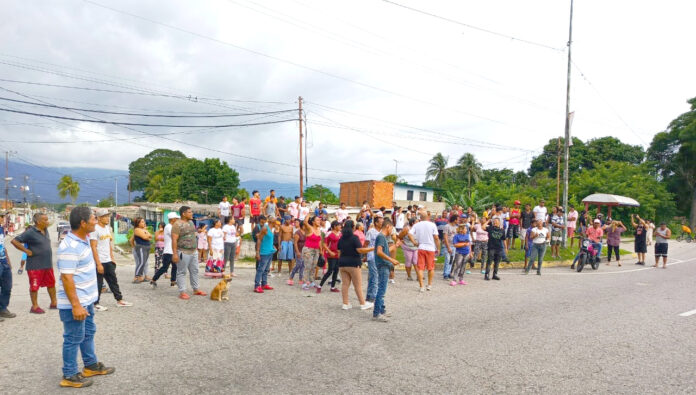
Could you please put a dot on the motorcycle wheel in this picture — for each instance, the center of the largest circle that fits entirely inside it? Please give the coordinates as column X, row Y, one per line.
column 595, row 264
column 581, row 263
column 689, row 239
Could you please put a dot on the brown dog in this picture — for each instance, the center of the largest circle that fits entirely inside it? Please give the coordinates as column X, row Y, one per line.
column 221, row 290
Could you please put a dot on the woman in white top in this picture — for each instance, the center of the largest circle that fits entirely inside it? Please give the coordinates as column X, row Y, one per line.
column 230, row 236
column 216, row 240
column 540, row 236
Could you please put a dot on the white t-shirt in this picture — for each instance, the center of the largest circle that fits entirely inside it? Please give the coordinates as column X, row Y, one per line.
column 103, row 236
column 540, row 237
column 540, row 213
column 168, row 239
column 400, row 221
column 424, row 233
column 224, row 209
column 572, row 218
column 293, row 209
column 230, row 232
column 341, row 215
column 303, row 212
column 216, row 239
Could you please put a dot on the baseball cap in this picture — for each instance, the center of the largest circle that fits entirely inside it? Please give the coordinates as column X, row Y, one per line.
column 517, row 202
column 173, row 215
column 597, row 221
column 102, row 212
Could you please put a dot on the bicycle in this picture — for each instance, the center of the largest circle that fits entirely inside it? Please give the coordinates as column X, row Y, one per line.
column 686, row 234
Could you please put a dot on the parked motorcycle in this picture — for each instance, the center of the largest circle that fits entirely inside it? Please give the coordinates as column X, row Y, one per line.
column 588, row 255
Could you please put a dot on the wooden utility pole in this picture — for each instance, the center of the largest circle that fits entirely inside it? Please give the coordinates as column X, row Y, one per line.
column 129, row 188
column 558, row 174
column 566, row 155
column 299, row 101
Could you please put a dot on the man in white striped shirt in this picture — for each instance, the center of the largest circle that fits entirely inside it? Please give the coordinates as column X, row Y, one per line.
column 77, row 292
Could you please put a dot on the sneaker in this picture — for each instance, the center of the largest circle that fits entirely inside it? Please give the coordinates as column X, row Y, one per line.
column 184, row 296
column 6, row 314
column 290, row 282
column 312, row 284
column 335, row 290
column 538, row 273
column 380, row 318
column 369, row 300
column 267, row 287
column 392, row 281
column 483, row 272
column 153, row 284
column 318, row 290
column 468, row 272
column 123, row 303
column 429, row 288
column 75, row 381
column 97, row 369
column 422, row 289
column 462, row 282
column 258, row 290
column 37, row 310
column 347, row 307
column 496, row 277
column 305, row 287
column 367, row 305
column 99, row 307
column 453, row 283
column 173, row 283
column 200, row 293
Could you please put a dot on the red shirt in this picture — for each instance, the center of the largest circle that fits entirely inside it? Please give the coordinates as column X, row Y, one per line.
column 255, row 206
column 514, row 221
column 332, row 243
column 595, row 234
column 238, row 210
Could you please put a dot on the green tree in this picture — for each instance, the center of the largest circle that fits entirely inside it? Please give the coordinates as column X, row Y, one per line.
column 548, row 160
column 320, row 193
column 107, row 202
column 141, row 167
column 68, row 187
column 208, row 180
column 437, row 169
column 470, row 168
column 672, row 156
column 393, row 179
column 242, row 193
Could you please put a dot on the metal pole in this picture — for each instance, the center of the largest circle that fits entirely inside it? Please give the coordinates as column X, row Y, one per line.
column 7, row 178
column 567, row 133
column 116, row 192
column 299, row 101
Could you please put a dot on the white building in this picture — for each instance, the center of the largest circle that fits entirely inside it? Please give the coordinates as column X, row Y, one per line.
column 412, row 193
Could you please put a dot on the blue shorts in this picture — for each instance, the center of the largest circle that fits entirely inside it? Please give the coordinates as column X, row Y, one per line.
column 287, row 251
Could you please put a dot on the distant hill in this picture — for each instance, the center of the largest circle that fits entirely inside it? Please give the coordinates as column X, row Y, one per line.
column 97, row 184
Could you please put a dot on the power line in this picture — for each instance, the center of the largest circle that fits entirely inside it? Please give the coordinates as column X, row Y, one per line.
column 481, row 29
column 146, row 115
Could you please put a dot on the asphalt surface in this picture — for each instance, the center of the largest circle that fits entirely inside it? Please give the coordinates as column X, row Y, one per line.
column 616, row 330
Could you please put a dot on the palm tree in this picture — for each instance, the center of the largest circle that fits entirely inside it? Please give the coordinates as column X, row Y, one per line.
column 437, row 170
column 68, row 187
column 471, row 167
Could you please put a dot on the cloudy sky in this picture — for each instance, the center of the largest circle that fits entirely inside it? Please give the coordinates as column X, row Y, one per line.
column 380, row 82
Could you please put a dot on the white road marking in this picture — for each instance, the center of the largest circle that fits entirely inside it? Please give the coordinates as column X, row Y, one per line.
column 688, row 313
column 597, row 272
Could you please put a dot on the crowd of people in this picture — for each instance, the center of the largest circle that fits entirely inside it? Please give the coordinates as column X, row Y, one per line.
column 316, row 249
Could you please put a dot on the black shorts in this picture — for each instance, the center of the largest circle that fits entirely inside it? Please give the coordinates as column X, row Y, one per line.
column 513, row 232
column 255, row 219
column 661, row 249
column 239, row 221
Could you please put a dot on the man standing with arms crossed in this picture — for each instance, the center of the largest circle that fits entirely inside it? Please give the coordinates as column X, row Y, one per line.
column 425, row 233
column 100, row 241
column 77, row 292
column 184, row 243
column 39, row 260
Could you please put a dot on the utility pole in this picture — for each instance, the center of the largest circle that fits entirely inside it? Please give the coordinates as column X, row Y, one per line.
column 299, row 101
column 129, row 188
column 396, row 169
column 558, row 173
column 116, row 192
column 567, row 133
column 7, row 180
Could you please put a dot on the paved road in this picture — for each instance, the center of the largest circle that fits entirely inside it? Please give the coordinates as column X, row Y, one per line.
column 614, row 330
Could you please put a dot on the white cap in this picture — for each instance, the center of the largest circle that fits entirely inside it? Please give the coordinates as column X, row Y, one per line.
column 597, row 221
column 173, row 215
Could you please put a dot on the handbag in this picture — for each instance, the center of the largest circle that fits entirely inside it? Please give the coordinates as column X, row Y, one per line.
column 321, row 262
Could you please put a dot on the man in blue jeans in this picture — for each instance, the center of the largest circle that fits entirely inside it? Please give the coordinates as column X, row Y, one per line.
column 371, row 237
column 5, row 277
column 264, row 255
column 77, row 292
column 384, row 262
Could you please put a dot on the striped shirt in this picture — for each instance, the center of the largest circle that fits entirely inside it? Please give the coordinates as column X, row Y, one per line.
column 75, row 257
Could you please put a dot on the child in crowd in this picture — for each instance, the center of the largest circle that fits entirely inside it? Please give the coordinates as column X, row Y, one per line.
column 202, row 243
column 462, row 243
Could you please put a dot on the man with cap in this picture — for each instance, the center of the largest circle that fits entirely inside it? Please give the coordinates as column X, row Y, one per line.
column 595, row 233
column 167, row 252
column 101, row 241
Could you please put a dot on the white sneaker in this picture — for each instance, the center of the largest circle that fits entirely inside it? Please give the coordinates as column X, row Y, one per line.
column 367, row 305
column 347, row 306
column 123, row 303
column 392, row 281
column 422, row 289
column 99, row 307
column 380, row 318
column 429, row 287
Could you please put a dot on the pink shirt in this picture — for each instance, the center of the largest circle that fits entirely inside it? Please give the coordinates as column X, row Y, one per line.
column 595, row 234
